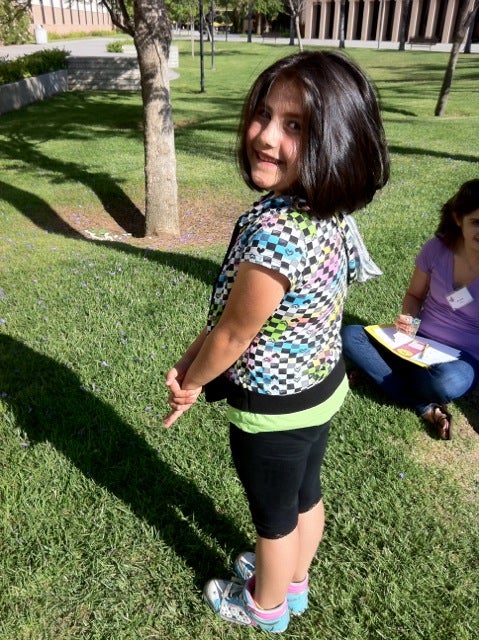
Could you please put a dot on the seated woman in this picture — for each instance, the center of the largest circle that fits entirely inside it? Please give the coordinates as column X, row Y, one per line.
column 444, row 295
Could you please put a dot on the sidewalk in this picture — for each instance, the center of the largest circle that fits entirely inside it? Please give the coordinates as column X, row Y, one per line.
column 97, row 46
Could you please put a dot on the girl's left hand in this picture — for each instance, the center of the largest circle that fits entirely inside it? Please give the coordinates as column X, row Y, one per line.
column 180, row 400
column 173, row 416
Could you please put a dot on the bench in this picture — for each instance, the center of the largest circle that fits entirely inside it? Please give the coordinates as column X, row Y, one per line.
column 422, row 42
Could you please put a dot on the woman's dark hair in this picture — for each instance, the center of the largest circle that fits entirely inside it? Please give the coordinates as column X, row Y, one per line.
column 344, row 158
column 464, row 202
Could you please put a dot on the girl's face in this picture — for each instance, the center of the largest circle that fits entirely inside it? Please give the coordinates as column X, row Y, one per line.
column 470, row 230
column 273, row 139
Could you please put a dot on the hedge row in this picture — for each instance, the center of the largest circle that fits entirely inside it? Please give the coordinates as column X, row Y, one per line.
column 33, row 64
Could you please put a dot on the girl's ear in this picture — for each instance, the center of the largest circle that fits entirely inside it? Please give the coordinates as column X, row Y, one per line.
column 456, row 219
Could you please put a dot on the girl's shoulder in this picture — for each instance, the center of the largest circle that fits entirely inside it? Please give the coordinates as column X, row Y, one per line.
column 288, row 214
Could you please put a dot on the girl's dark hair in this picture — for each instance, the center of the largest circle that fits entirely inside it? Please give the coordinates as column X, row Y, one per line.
column 344, row 158
column 465, row 201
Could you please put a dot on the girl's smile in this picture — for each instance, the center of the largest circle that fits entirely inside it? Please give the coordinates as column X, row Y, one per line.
column 274, row 138
column 470, row 231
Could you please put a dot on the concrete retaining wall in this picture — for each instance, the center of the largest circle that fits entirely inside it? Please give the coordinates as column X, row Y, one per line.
column 103, row 72
column 18, row 94
column 108, row 73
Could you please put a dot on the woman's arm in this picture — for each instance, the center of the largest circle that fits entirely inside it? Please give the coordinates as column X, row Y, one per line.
column 413, row 299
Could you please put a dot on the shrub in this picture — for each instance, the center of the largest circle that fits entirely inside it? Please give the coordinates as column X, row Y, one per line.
column 115, row 47
column 32, row 65
column 77, row 35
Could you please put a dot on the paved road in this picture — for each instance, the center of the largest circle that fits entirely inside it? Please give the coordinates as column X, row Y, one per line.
column 81, row 47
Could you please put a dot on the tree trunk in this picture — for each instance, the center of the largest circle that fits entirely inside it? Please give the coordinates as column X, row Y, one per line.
column 342, row 23
column 298, row 32
column 467, row 46
column 152, row 40
column 295, row 10
column 291, row 30
column 404, row 24
column 463, row 19
column 250, row 21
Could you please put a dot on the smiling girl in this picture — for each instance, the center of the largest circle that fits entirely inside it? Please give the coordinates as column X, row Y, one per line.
column 311, row 137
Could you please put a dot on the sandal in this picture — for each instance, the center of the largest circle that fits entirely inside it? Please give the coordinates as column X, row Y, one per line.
column 441, row 420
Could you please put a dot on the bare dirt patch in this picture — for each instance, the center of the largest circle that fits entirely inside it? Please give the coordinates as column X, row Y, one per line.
column 202, row 224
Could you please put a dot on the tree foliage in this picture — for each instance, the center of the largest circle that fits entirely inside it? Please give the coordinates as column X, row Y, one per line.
column 181, row 11
column 14, row 21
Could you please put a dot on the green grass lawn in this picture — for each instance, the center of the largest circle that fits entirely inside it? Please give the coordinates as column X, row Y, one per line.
column 110, row 525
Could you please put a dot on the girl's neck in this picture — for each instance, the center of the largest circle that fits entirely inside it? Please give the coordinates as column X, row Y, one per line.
column 469, row 255
column 466, row 265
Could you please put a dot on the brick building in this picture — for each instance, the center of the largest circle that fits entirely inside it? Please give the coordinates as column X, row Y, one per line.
column 70, row 16
column 381, row 19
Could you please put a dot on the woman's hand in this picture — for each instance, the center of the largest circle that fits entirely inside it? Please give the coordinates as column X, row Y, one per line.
column 406, row 324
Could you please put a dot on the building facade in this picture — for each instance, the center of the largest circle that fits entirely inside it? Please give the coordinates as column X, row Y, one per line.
column 380, row 20
column 67, row 16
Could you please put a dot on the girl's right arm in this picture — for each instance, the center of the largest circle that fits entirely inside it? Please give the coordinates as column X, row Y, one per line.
column 181, row 367
column 255, row 294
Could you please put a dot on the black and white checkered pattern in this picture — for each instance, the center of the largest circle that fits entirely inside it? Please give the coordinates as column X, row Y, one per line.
column 300, row 344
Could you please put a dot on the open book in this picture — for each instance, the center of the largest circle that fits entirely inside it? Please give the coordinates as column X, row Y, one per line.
column 421, row 351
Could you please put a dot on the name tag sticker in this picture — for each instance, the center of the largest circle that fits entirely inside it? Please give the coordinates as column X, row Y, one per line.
column 458, row 299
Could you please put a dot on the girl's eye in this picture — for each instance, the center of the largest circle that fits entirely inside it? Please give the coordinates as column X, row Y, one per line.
column 294, row 125
column 263, row 113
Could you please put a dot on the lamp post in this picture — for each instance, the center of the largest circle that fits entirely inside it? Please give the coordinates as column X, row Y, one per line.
column 212, row 27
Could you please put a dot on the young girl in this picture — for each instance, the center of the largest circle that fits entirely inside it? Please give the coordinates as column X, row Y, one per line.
column 311, row 136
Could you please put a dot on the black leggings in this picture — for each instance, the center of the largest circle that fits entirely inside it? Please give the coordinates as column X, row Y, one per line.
column 280, row 473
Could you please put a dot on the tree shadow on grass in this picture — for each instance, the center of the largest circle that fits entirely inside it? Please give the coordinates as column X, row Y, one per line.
column 114, row 200
column 37, row 210
column 416, row 151
column 44, row 217
column 469, row 406
column 50, row 404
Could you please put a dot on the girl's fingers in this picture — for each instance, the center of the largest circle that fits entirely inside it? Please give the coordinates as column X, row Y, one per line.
column 172, row 417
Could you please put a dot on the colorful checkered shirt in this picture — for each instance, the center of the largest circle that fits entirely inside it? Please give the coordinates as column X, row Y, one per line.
column 300, row 344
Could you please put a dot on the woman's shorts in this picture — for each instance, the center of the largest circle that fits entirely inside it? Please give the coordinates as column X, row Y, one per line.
column 280, row 473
